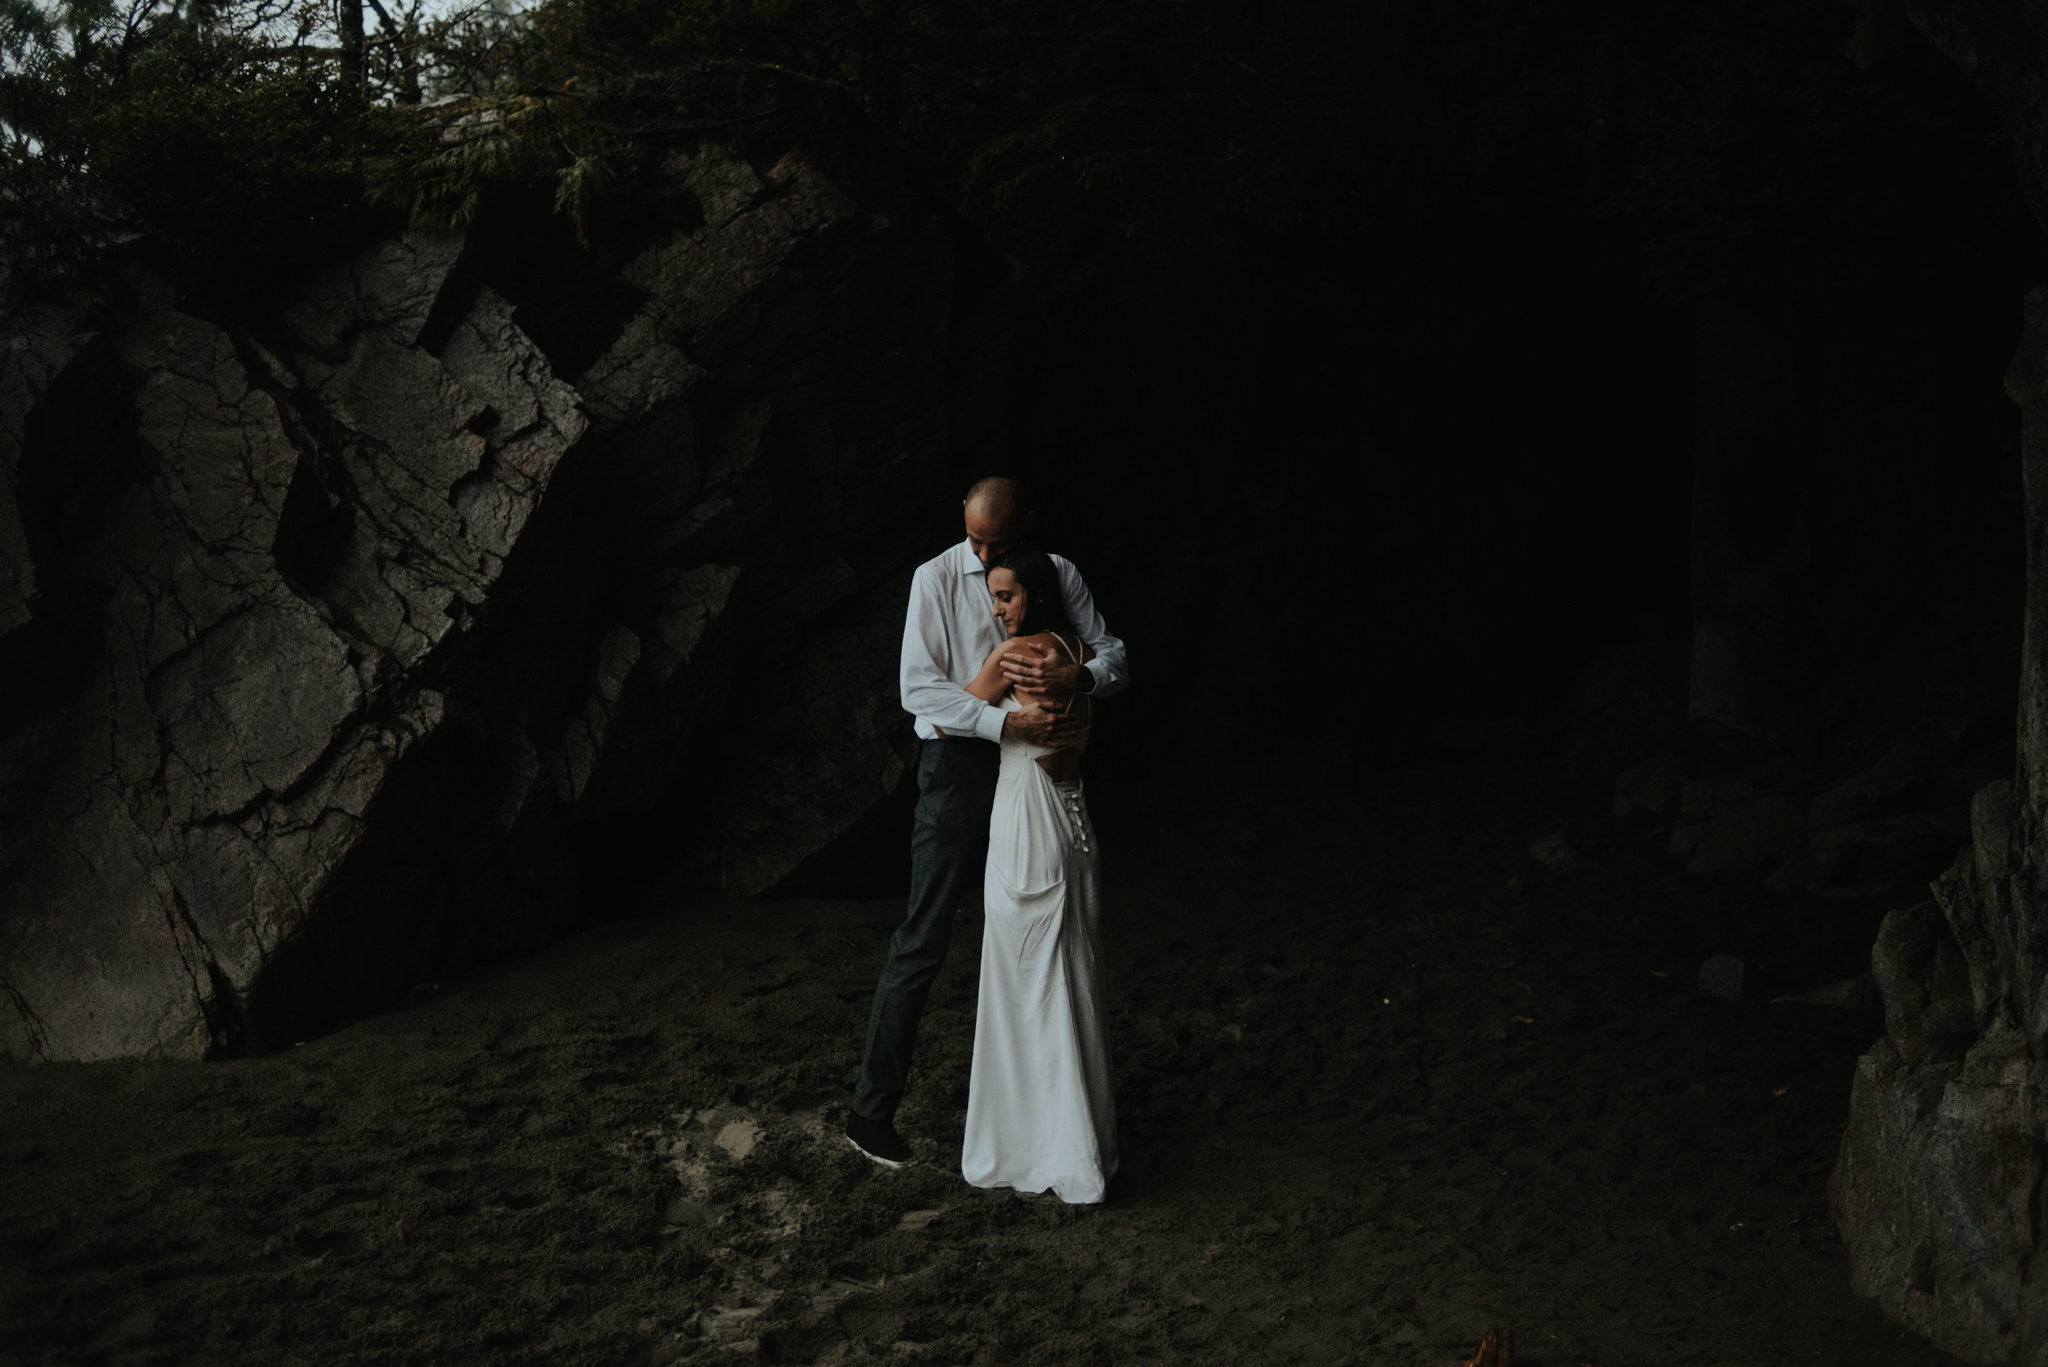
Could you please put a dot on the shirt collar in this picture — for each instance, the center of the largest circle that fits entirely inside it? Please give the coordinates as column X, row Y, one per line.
column 970, row 563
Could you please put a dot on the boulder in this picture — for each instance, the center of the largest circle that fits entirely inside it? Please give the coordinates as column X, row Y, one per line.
column 1937, row 1186
column 380, row 606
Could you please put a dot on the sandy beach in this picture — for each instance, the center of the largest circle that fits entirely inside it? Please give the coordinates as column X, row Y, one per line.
column 1384, row 1081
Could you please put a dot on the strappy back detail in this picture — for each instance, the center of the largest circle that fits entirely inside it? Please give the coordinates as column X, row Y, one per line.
column 1074, row 653
column 1011, row 703
column 1084, row 699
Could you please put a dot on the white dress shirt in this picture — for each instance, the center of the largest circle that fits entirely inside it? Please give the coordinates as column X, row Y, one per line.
column 951, row 628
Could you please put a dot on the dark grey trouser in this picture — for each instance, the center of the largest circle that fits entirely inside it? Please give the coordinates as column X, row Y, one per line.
column 956, row 785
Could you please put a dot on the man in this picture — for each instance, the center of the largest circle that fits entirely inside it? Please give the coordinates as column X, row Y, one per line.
column 950, row 630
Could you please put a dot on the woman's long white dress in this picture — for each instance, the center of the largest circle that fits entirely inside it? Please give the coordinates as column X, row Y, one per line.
column 1041, row 1110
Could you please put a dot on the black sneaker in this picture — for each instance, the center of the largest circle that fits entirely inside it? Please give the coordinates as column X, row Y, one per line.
column 877, row 1139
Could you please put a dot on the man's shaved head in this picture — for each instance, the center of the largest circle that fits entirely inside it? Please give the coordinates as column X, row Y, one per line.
column 998, row 516
column 999, row 497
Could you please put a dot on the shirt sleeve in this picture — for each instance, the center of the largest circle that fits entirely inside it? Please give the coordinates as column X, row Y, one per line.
column 928, row 693
column 1112, row 673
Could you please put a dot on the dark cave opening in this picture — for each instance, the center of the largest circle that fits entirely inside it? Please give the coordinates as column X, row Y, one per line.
column 1439, row 503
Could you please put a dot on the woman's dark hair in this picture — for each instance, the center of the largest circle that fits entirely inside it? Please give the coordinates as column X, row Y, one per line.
column 1045, row 601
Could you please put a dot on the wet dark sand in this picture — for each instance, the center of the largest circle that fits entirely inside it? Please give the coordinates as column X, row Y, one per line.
column 1342, row 1145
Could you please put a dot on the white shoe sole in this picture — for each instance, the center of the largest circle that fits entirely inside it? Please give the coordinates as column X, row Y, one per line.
column 889, row 1163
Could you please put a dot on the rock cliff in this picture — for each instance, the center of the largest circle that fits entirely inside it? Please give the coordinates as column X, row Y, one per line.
column 337, row 633
column 1938, row 1189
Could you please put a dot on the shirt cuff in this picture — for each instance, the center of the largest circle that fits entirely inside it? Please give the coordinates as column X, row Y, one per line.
column 1102, row 672
column 989, row 725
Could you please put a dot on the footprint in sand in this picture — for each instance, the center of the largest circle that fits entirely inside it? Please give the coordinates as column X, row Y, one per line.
column 806, row 1111
column 728, row 1321
column 830, row 1295
column 683, row 1212
column 738, row 1139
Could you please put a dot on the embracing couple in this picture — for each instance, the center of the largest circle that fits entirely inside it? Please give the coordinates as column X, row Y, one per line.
column 1003, row 654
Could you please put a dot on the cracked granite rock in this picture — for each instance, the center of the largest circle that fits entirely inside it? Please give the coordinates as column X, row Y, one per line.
column 349, row 625
column 215, row 749
column 447, row 456
column 227, row 750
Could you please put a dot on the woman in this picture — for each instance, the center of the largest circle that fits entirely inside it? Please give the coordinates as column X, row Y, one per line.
column 1040, row 1110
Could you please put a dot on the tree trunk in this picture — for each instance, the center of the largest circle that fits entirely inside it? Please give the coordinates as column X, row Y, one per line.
column 353, row 68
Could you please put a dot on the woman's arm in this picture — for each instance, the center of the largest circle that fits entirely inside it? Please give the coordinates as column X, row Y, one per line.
column 991, row 683
column 1045, row 654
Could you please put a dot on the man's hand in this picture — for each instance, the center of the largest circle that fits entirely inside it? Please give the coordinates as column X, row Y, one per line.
column 1040, row 669
column 1041, row 725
